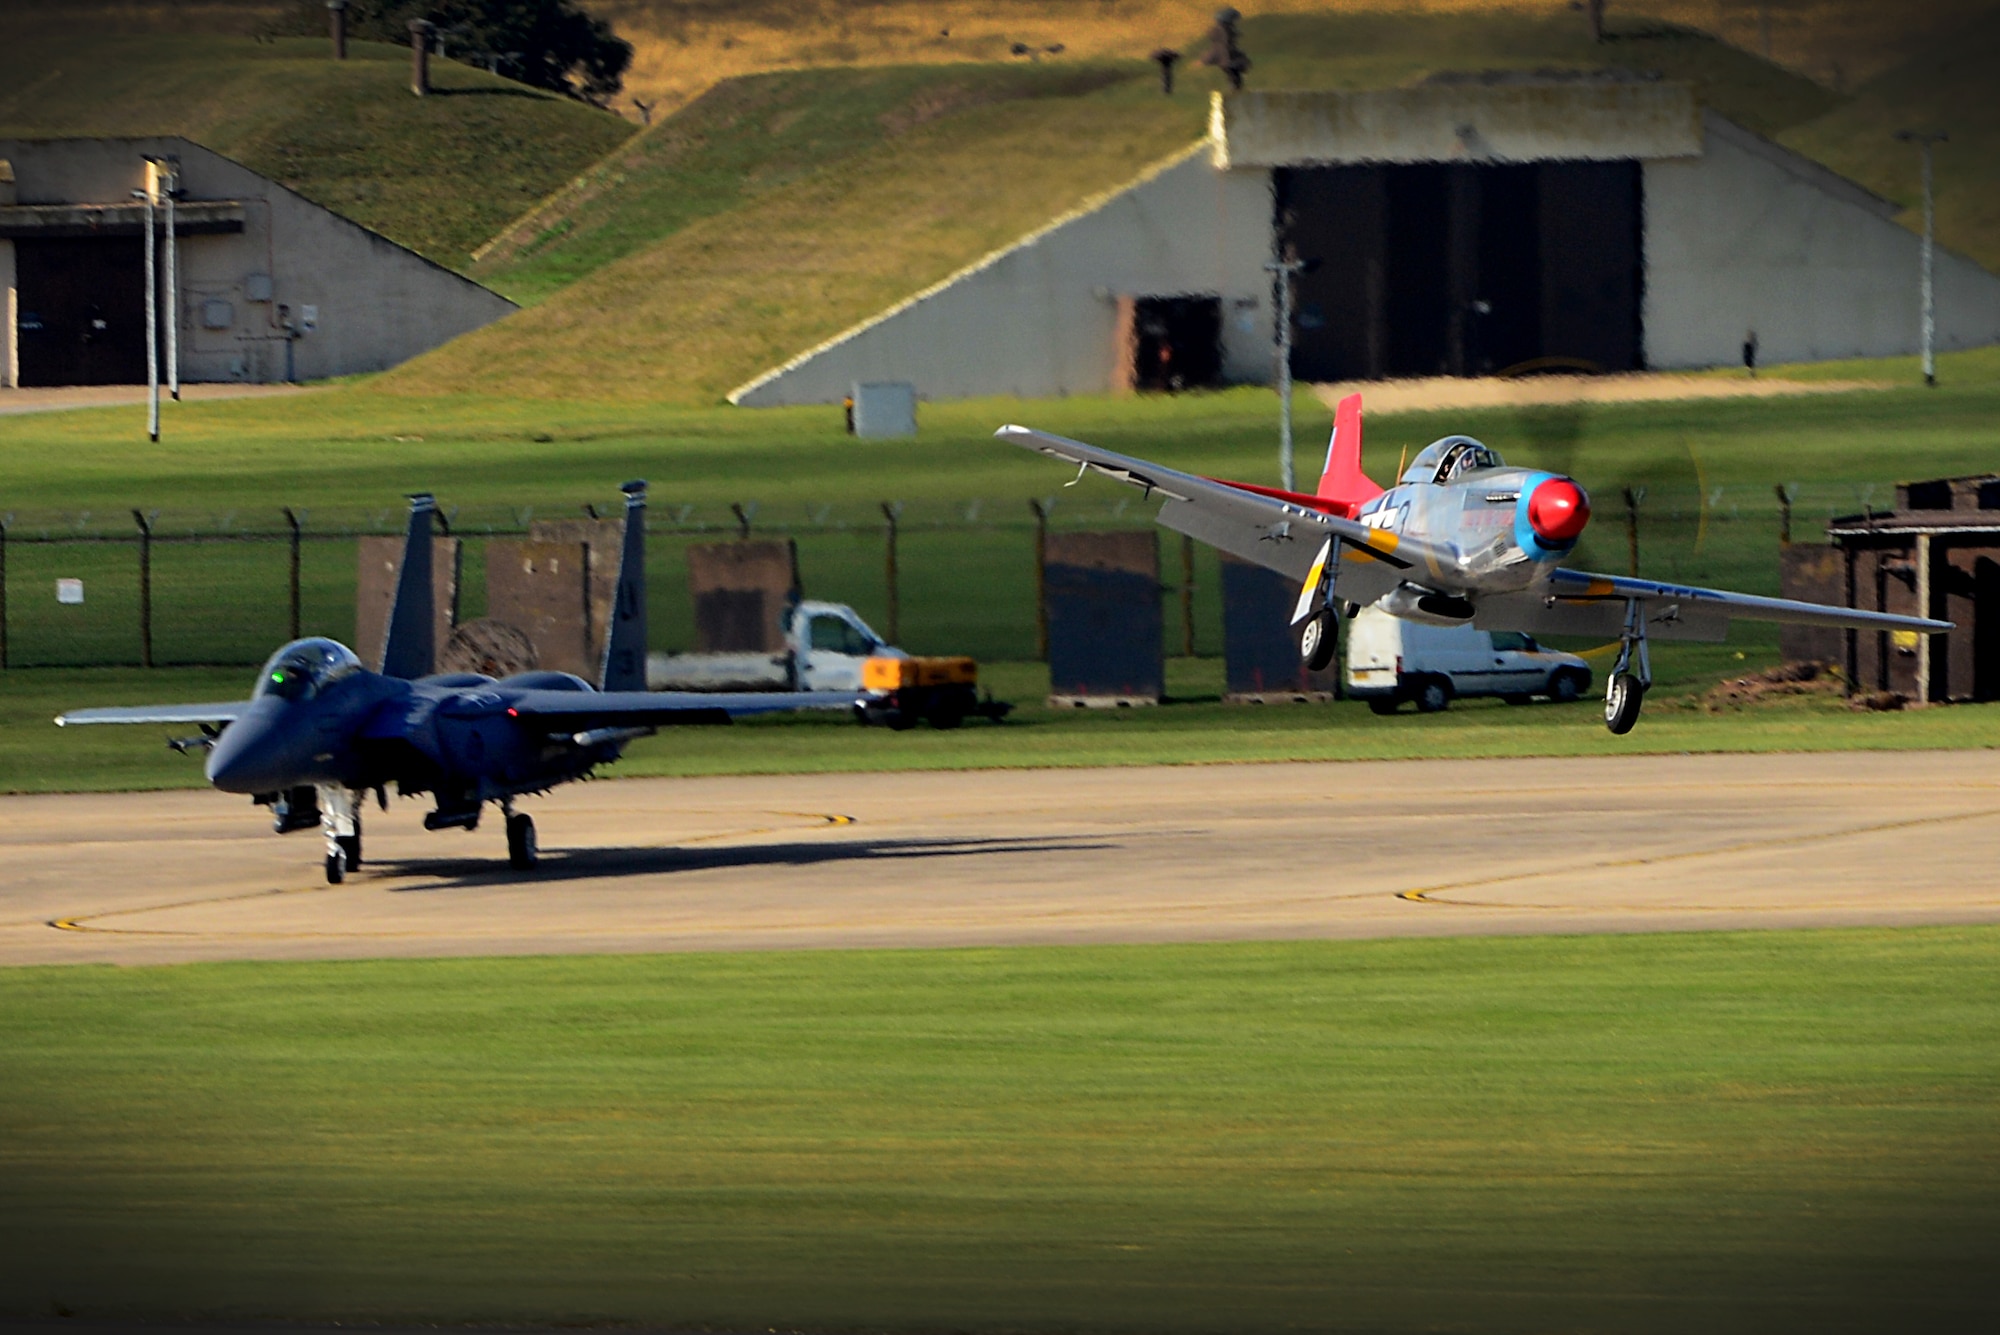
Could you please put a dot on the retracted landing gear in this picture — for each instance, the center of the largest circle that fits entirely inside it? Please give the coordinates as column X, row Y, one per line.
column 340, row 821
column 522, row 851
column 1625, row 693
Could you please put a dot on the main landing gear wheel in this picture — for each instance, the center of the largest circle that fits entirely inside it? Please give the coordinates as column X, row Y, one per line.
column 522, row 851
column 336, row 868
column 1319, row 640
column 1622, row 699
column 350, row 847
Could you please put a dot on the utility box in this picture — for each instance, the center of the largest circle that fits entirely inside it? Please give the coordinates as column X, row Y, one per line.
column 1260, row 652
column 1106, row 634
column 885, row 408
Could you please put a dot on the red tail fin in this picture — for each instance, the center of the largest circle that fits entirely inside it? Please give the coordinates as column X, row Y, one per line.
column 1343, row 480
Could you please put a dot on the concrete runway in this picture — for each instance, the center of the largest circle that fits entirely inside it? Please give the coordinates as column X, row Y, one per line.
column 1204, row 853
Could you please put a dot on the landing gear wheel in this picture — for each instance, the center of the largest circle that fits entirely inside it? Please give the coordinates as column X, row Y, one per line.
column 1564, row 688
column 522, row 851
column 1319, row 640
column 350, row 848
column 1433, row 695
column 1622, row 699
column 336, row 868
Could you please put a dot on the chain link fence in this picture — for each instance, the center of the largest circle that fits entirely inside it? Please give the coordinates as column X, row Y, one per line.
column 172, row 587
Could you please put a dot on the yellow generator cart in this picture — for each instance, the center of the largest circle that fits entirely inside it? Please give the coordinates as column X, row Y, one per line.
column 943, row 691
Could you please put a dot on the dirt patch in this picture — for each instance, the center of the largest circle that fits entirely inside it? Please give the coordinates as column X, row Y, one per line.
column 1410, row 396
column 1787, row 681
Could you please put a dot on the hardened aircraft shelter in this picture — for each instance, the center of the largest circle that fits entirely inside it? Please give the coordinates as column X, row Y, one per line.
column 1468, row 226
column 266, row 285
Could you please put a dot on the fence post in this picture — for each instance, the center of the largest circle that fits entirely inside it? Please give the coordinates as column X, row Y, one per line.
column 1187, row 596
column 1633, row 495
column 6, row 522
column 1041, row 579
column 890, row 511
column 145, row 589
column 1785, row 493
column 293, row 520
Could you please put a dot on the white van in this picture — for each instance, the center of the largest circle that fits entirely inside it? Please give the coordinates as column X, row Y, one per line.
column 1390, row 660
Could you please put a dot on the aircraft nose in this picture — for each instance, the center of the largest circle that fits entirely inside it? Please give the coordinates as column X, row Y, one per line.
column 1558, row 510
column 247, row 758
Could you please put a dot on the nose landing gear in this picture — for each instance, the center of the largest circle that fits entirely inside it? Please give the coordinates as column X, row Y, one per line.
column 340, row 821
column 523, row 853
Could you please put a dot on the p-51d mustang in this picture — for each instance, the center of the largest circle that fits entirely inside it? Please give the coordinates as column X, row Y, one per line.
column 320, row 730
column 1460, row 539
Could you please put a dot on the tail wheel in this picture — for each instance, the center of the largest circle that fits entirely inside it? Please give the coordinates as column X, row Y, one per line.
column 522, row 851
column 1564, row 688
column 1622, row 699
column 1433, row 695
column 336, row 868
column 1319, row 640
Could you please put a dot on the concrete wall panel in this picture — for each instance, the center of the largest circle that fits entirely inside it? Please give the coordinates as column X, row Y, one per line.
column 1751, row 236
column 1040, row 318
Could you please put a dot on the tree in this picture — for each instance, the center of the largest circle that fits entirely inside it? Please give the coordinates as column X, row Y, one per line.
column 552, row 44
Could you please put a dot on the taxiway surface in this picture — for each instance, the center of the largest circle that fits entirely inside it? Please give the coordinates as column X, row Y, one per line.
column 1011, row 857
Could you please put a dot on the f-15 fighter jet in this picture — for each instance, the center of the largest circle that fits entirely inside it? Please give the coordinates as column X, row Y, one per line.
column 320, row 730
column 1460, row 539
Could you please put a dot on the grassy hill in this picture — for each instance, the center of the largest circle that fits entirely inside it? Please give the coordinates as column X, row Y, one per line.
column 724, row 296
column 438, row 174
column 778, row 209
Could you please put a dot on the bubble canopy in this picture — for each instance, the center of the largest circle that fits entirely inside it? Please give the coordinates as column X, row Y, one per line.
column 303, row 668
column 1452, row 457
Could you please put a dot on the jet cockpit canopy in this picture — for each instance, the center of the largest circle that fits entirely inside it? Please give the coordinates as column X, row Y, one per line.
column 303, row 668
column 1450, row 459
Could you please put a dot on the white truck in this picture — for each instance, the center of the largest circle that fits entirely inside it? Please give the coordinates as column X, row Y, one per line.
column 825, row 646
column 1391, row 660
column 828, row 647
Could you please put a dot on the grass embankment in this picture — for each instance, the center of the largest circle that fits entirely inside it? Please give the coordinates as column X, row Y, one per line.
column 687, row 318
column 438, row 174
column 1763, row 1131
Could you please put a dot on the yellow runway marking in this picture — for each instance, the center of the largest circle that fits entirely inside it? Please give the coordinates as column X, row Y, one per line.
column 86, row 922
column 1424, row 895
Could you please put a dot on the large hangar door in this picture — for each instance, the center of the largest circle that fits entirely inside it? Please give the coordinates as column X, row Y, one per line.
column 1463, row 269
column 82, row 310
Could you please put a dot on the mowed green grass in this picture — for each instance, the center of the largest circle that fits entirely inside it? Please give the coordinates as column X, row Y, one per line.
column 1193, row 728
column 1755, row 1132
column 438, row 174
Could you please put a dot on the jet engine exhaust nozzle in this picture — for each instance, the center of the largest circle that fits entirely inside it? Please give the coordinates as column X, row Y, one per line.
column 1558, row 511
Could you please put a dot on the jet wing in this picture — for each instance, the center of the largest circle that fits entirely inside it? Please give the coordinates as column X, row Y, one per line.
column 218, row 713
column 1576, row 602
column 580, row 711
column 1263, row 530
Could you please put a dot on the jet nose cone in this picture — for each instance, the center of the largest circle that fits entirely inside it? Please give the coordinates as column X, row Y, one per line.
column 247, row 758
column 1558, row 510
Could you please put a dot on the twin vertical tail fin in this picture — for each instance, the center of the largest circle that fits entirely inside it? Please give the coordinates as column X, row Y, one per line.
column 409, row 650
column 624, row 667
column 1343, row 480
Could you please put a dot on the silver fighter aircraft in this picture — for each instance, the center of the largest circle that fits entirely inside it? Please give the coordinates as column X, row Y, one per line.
column 1460, row 539
column 320, row 730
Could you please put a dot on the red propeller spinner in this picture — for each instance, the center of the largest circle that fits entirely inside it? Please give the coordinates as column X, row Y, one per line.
column 1558, row 510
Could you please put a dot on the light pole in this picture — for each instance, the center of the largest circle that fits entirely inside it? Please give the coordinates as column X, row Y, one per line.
column 1926, row 140
column 1283, row 271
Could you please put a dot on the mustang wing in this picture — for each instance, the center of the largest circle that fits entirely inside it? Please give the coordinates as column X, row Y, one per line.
column 227, row 712
column 1576, row 602
column 580, row 711
column 1263, row 530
